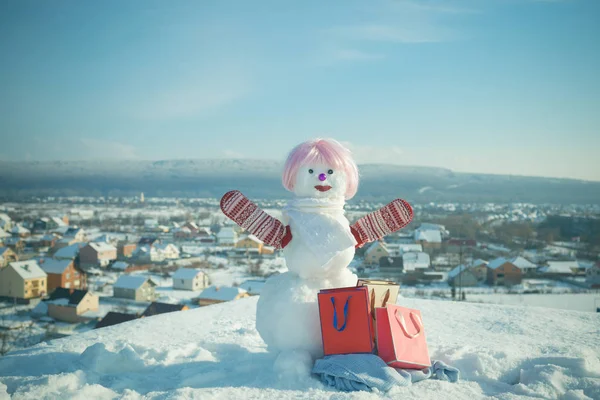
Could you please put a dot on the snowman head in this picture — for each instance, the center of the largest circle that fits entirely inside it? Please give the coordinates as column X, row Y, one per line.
column 321, row 168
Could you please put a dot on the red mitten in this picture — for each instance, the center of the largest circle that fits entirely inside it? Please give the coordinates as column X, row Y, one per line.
column 388, row 219
column 254, row 220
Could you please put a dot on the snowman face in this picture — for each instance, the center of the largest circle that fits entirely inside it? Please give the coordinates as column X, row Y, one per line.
column 320, row 181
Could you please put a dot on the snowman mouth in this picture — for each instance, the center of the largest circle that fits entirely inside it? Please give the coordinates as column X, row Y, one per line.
column 322, row 188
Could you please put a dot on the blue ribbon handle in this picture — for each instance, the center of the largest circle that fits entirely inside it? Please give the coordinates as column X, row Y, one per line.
column 335, row 319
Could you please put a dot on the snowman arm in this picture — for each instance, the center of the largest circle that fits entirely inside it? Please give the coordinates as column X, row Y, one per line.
column 250, row 217
column 388, row 219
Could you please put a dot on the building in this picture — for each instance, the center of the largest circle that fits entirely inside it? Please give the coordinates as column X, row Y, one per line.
column 97, row 254
column 397, row 249
column 524, row 265
column 16, row 244
column 156, row 253
column 7, row 255
column 413, row 261
column 253, row 286
column 77, row 234
column 69, row 305
column 125, row 250
column 560, row 268
column 114, row 318
column 592, row 276
column 375, row 252
column 134, row 287
column 189, row 279
column 253, row 243
column 391, row 266
column 227, row 236
column 435, row 227
column 5, row 223
column 69, row 252
column 479, row 269
column 162, row 308
column 501, row 271
column 48, row 241
column 215, row 294
column 23, row 280
column 462, row 276
column 63, row 274
column 428, row 238
column 20, row 231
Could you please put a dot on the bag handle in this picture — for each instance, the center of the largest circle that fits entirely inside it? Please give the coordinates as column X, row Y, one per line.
column 386, row 297
column 335, row 318
column 416, row 321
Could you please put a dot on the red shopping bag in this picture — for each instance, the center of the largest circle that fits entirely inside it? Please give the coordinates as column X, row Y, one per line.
column 346, row 325
column 401, row 341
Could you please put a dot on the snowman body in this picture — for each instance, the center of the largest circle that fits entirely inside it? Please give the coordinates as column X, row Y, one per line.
column 322, row 247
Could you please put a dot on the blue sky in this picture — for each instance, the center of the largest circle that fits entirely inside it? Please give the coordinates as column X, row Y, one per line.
column 493, row 86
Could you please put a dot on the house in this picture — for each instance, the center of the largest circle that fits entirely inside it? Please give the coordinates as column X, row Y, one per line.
column 20, row 231
column 156, row 308
column 97, row 254
column 391, row 266
column 501, row 271
column 120, row 266
column 428, row 238
column 397, row 249
column 592, row 276
column 4, row 235
column 148, row 241
column 215, row 294
column 427, row 226
column 456, row 245
column 413, row 261
column 462, row 276
column 375, row 252
column 69, row 252
column 76, row 233
column 253, row 286
column 5, row 222
column 167, row 251
column 156, row 253
column 182, row 233
column 250, row 242
column 525, row 265
column 69, row 305
column 47, row 223
column 560, row 268
column 125, row 250
column 114, row 318
column 7, row 255
column 150, row 224
column 227, row 236
column 63, row 274
column 23, row 280
column 134, row 287
column 189, row 279
column 16, row 244
column 479, row 269
column 48, row 241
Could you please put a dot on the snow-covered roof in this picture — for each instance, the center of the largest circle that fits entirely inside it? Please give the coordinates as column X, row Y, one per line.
column 53, row 266
column 69, row 251
column 497, row 262
column 428, row 235
column 522, row 263
column 5, row 217
column 251, row 237
column 20, row 230
column 28, row 269
column 479, row 262
column 164, row 246
column 226, row 233
column 4, row 234
column 120, row 265
column 223, row 293
column 416, row 259
column 457, row 270
column 374, row 246
column 3, row 250
column 58, row 221
column 101, row 246
column 186, row 273
column 560, row 267
column 131, row 281
column 253, row 286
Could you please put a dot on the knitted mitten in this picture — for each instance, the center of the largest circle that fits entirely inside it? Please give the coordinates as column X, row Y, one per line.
column 388, row 219
column 246, row 214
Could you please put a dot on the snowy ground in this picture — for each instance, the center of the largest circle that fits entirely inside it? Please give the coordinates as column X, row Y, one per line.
column 577, row 302
column 214, row 352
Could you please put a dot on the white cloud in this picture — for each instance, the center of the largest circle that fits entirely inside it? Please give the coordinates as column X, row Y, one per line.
column 106, row 149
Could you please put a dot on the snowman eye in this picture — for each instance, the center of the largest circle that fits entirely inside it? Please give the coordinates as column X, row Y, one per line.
column 330, row 172
column 310, row 171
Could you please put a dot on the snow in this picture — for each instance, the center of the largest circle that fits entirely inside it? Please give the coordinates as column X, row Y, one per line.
column 101, row 246
column 28, row 269
column 253, row 286
column 221, row 293
column 186, row 273
column 560, row 267
column 566, row 301
column 69, row 251
column 130, row 281
column 523, row 263
column 120, row 265
column 215, row 352
column 428, row 235
column 497, row 262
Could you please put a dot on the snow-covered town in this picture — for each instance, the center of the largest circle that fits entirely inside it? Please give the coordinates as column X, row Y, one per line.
column 70, row 265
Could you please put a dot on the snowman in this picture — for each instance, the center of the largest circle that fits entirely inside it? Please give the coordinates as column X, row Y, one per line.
column 318, row 245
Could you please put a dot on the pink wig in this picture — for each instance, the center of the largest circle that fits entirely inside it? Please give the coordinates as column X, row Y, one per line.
column 321, row 151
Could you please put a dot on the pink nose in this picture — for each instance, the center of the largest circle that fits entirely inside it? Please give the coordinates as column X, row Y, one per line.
column 322, row 177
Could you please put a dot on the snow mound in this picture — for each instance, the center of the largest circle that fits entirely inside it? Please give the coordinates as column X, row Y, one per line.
column 215, row 352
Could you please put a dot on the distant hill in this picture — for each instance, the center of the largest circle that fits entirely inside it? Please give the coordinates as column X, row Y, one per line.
column 262, row 179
